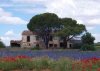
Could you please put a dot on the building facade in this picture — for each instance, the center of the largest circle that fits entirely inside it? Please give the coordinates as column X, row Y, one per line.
column 29, row 39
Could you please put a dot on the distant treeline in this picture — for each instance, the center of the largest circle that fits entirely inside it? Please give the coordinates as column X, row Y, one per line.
column 97, row 44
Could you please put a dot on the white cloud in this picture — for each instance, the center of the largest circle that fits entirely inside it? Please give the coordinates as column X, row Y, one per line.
column 64, row 8
column 23, row 1
column 91, row 12
column 90, row 28
column 94, row 21
column 12, row 20
column 79, row 21
column 79, row 10
column 27, row 1
column 3, row 13
column 5, row 38
column 9, row 33
column 31, row 10
column 7, row 18
column 97, row 37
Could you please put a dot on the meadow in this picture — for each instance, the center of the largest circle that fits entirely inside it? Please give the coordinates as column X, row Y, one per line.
column 49, row 60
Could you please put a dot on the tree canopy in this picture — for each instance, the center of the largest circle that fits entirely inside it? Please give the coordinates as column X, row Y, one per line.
column 88, row 39
column 70, row 29
column 88, row 42
column 45, row 23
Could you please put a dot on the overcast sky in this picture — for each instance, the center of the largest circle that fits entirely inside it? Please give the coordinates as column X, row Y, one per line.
column 15, row 14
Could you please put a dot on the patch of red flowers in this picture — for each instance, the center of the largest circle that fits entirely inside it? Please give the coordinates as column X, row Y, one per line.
column 13, row 59
column 87, row 64
column 98, row 69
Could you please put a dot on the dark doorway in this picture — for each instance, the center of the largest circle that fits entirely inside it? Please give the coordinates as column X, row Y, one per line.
column 28, row 38
column 50, row 45
column 61, row 44
column 70, row 45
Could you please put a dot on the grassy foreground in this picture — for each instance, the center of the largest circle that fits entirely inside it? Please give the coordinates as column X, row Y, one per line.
column 24, row 63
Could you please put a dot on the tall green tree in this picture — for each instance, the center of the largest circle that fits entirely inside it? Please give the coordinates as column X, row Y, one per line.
column 43, row 24
column 87, row 38
column 88, row 42
column 70, row 28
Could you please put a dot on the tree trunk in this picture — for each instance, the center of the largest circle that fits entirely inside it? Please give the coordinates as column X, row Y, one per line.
column 65, row 42
column 46, row 41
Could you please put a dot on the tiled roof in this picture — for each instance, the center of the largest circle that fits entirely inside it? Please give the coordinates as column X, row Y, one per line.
column 27, row 32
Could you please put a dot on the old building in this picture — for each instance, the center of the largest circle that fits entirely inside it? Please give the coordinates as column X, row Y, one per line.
column 15, row 43
column 29, row 39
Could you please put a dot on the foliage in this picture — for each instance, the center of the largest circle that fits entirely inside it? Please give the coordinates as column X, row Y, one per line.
column 70, row 29
column 87, row 47
column 88, row 42
column 2, row 45
column 43, row 24
column 88, row 39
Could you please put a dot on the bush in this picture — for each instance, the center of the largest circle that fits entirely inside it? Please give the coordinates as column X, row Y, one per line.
column 87, row 47
column 2, row 45
column 88, row 38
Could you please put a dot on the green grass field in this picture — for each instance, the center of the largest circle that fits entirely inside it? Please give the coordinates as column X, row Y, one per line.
column 97, row 47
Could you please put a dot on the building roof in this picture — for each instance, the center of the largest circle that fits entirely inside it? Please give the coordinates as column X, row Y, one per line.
column 15, row 41
column 75, row 41
column 27, row 32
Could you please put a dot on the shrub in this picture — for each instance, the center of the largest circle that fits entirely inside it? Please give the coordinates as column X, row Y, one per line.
column 87, row 47
column 2, row 45
column 88, row 42
column 87, row 39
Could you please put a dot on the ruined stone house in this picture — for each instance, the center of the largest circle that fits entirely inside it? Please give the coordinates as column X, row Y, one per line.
column 29, row 39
